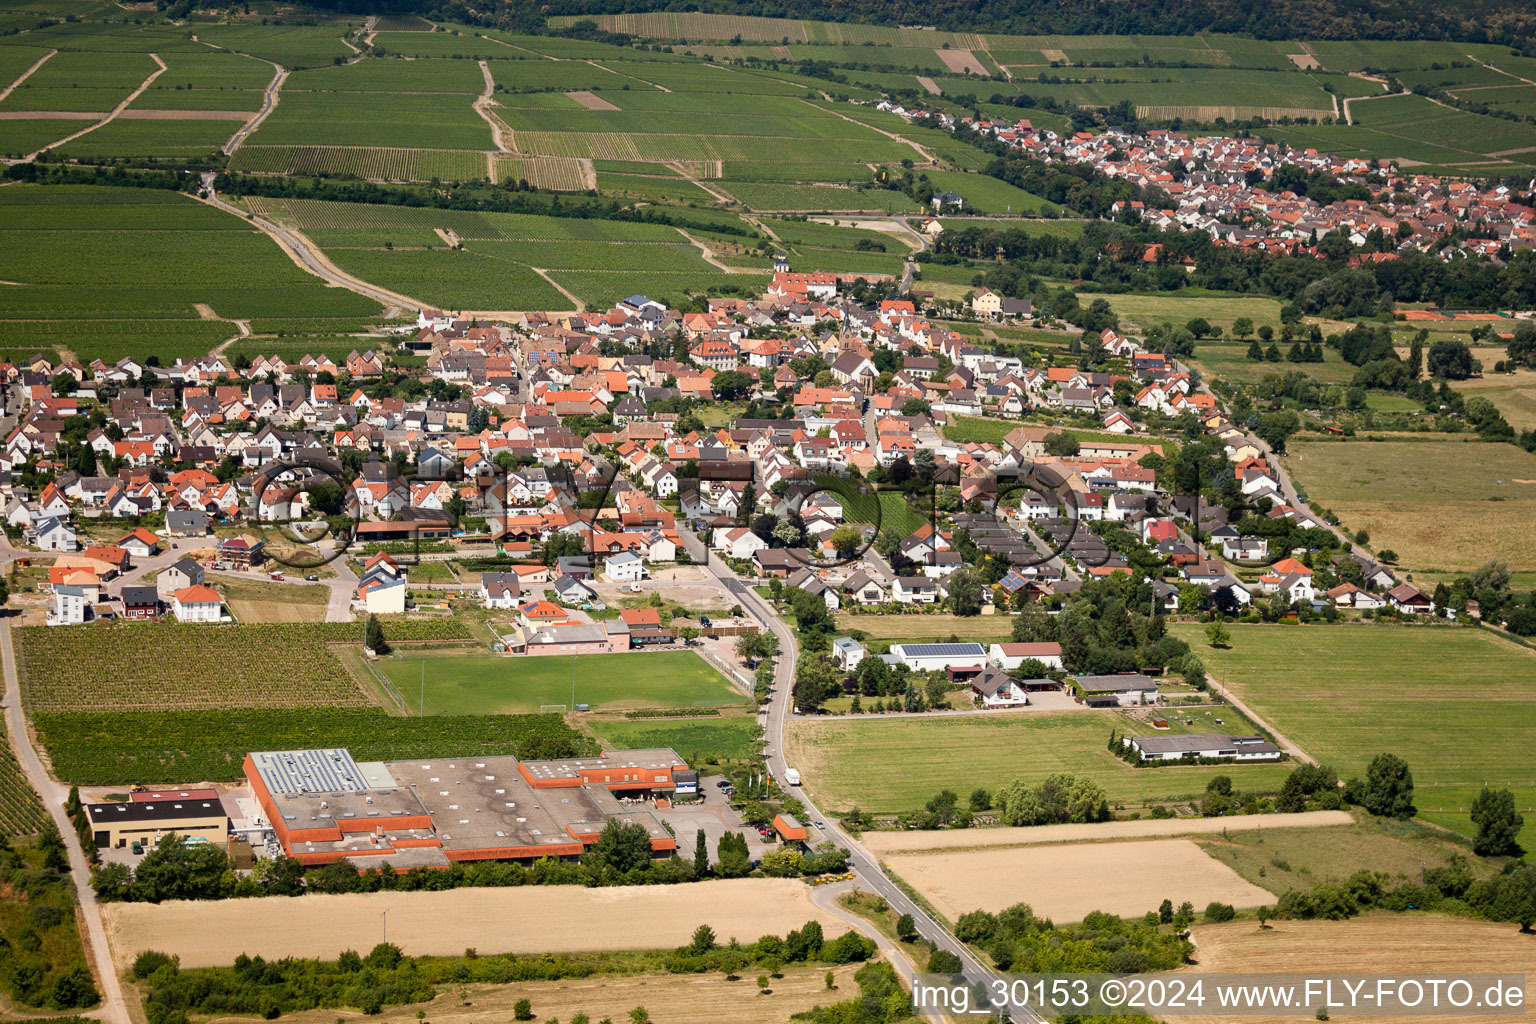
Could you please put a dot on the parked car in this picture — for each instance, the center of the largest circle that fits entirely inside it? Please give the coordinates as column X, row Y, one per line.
column 312, row 578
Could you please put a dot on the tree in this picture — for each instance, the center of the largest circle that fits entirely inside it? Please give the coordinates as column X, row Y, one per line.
column 1218, row 633
column 688, row 634
column 914, row 407
column 1242, row 327
column 1061, row 444
column 1451, row 359
column 522, row 1010
column 1498, row 824
column 965, row 593
column 1388, row 791
column 731, row 857
column 373, row 636
column 74, row 988
column 639, row 1015
column 906, row 928
column 846, row 540
column 1491, row 575
column 700, row 855
column 1200, row 326
column 620, row 848
column 730, row 385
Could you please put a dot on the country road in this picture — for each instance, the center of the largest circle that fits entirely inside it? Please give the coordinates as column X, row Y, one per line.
column 268, row 102
column 303, row 252
column 871, row 876
column 113, row 1009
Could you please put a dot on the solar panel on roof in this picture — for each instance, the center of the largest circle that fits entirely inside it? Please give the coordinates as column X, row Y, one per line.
column 941, row 650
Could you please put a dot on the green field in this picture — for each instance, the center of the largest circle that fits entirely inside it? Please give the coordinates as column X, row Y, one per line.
column 98, row 254
column 179, row 747
column 464, row 684
column 1457, row 704
column 1229, row 361
column 1438, row 503
column 895, row 764
column 968, row 429
column 702, row 739
column 1149, row 311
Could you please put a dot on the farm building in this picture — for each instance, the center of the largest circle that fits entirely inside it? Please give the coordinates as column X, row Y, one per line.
column 1011, row 656
column 325, row 806
column 1203, row 744
column 148, row 821
column 1126, row 688
column 939, row 657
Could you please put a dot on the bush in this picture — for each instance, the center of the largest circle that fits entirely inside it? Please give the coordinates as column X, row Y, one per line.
column 942, row 961
column 1217, row 912
column 150, row 961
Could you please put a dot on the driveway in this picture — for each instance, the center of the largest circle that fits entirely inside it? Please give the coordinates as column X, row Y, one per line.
column 715, row 816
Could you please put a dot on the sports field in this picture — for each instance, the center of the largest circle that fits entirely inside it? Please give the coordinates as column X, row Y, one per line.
column 889, row 765
column 1458, row 704
column 1439, row 504
column 481, row 684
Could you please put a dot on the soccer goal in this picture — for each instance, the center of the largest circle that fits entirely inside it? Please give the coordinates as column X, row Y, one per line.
column 552, row 709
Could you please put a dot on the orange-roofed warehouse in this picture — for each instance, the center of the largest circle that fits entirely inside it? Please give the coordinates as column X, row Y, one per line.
column 323, row 805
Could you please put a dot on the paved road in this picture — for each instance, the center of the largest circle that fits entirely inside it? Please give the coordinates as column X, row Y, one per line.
column 1276, row 463
column 871, row 876
column 113, row 1008
column 269, row 100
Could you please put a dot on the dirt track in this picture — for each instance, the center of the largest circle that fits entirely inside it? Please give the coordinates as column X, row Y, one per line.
column 526, row 919
column 1148, row 828
column 1066, row 883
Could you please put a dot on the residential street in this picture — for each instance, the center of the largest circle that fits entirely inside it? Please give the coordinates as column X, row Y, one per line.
column 864, row 864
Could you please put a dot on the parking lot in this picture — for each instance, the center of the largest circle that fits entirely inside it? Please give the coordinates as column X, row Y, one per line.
column 716, row 817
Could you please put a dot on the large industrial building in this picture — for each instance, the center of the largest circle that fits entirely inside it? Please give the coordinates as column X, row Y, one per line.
column 323, row 805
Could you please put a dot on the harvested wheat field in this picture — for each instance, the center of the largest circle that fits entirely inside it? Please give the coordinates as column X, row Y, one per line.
column 526, row 919
column 673, row 998
column 962, row 62
column 591, row 100
column 1378, row 943
column 1146, row 828
column 1068, row 882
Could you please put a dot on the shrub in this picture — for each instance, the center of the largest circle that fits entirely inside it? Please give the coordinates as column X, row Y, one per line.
column 1217, row 912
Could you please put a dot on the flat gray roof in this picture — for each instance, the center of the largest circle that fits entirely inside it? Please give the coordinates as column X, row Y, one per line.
column 1194, row 742
column 296, row 772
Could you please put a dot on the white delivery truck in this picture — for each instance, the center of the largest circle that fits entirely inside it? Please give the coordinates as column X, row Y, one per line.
column 792, row 776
